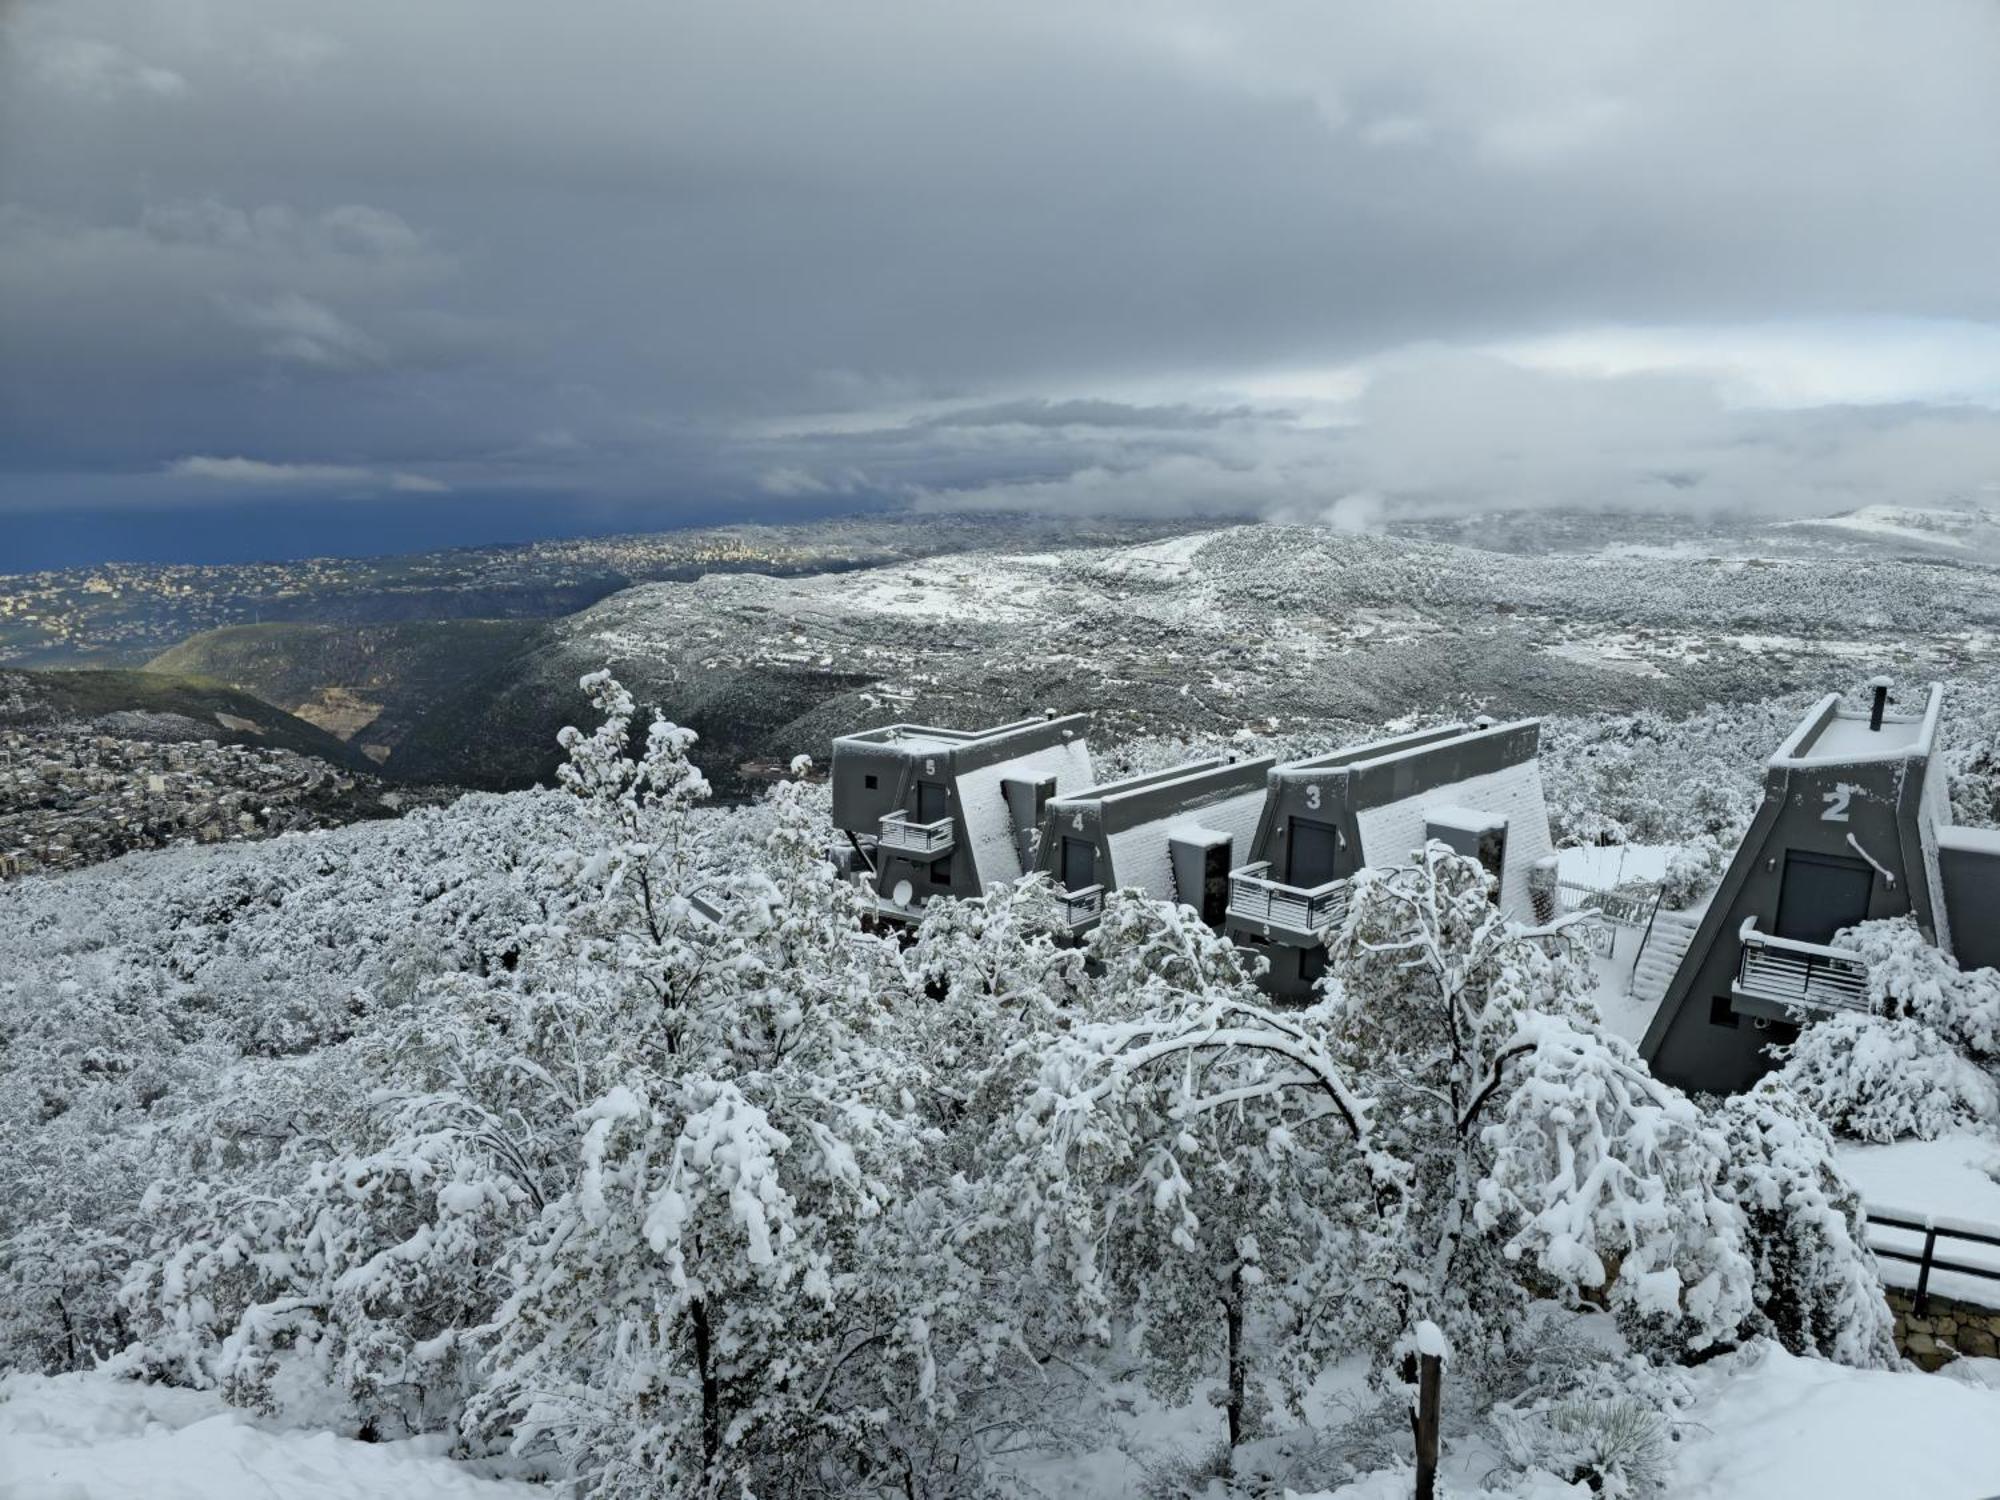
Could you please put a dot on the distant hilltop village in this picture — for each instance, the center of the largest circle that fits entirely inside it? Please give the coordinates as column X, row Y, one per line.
column 71, row 797
column 1854, row 827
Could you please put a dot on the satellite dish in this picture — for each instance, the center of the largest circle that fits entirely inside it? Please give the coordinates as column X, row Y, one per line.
column 902, row 893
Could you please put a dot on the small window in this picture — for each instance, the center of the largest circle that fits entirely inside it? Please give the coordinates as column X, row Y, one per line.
column 1312, row 963
column 1721, row 1013
column 871, row 781
column 941, row 872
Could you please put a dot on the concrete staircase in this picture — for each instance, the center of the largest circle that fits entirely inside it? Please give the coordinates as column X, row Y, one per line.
column 1672, row 932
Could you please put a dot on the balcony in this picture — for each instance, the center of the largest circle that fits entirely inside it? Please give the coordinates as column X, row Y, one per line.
column 1296, row 915
column 1775, row 976
column 917, row 840
column 1078, row 911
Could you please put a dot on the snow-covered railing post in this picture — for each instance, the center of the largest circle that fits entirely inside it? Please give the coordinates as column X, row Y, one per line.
column 1428, row 1358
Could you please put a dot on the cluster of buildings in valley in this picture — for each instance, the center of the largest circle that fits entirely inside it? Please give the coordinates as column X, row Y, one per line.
column 73, row 796
column 1855, row 826
column 126, row 613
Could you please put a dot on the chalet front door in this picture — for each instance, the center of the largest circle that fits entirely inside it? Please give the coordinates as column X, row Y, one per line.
column 1822, row 893
column 1079, row 864
column 1310, row 852
column 931, row 802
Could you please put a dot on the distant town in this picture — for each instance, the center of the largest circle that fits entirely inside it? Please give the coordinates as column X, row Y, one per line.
column 124, row 614
column 72, row 797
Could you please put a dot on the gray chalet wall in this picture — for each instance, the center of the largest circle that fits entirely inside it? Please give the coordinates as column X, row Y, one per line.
column 1843, row 835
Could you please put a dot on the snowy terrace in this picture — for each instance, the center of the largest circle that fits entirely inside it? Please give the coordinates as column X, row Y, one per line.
column 1836, row 733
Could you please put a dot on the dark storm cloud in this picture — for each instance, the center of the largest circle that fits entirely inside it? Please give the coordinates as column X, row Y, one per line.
column 1266, row 257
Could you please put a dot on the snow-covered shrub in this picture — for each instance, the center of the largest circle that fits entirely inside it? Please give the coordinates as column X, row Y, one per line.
column 1605, row 1181
column 1817, row 1290
column 1880, row 1078
column 1472, row 1141
column 1909, row 976
column 1692, row 872
column 1617, row 1445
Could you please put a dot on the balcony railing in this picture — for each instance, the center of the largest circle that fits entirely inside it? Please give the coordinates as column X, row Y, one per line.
column 1302, row 912
column 1076, row 910
column 925, row 840
column 1811, row 975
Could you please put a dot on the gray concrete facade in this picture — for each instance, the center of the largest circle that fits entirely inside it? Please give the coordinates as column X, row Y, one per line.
column 929, row 811
column 1477, row 787
column 1173, row 834
column 1847, row 833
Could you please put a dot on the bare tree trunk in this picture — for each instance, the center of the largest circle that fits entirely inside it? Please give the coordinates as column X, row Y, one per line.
column 1429, row 1373
column 711, row 1390
column 1232, row 1310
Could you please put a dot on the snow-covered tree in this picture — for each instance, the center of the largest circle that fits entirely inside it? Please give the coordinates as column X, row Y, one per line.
column 1446, row 1122
column 1920, row 1061
column 1816, row 1290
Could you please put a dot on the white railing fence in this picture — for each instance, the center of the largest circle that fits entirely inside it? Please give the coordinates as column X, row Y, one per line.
column 900, row 834
column 1255, row 897
column 1793, row 973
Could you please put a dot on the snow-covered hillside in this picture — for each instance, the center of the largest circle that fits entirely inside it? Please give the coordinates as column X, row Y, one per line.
column 592, row 1134
column 1248, row 627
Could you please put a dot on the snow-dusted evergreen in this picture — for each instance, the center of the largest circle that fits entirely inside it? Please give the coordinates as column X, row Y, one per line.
column 597, row 1130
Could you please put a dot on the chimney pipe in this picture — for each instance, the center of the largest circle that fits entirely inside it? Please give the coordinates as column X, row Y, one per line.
column 1881, row 703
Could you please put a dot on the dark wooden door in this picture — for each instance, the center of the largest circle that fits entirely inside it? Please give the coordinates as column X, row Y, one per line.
column 931, row 802
column 1079, row 864
column 1311, row 850
column 1822, row 893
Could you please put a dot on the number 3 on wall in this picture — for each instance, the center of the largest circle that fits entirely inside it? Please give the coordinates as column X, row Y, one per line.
column 1312, row 797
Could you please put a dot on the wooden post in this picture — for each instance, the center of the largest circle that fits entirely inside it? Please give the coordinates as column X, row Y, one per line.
column 1430, row 1391
column 1920, row 1304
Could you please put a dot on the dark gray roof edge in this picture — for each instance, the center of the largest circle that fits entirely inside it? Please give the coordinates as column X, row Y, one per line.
column 1198, row 776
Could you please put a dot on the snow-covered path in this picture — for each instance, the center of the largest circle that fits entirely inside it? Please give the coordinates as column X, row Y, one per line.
column 91, row 1437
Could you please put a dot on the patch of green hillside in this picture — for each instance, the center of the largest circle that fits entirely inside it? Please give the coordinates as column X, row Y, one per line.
column 369, row 685
column 158, row 706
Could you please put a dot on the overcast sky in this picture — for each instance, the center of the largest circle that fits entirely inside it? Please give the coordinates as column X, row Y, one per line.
column 278, row 277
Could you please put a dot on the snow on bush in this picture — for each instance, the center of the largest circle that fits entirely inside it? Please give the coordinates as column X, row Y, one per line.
column 1880, row 1078
column 1920, row 1062
column 1816, row 1287
column 599, row 1126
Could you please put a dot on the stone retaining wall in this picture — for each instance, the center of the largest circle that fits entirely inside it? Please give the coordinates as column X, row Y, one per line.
column 1946, row 1328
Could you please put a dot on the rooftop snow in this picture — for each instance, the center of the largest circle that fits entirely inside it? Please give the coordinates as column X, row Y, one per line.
column 1466, row 819
column 1836, row 732
column 1970, row 840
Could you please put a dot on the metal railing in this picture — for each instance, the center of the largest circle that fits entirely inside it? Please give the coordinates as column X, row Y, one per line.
column 1255, row 897
column 905, row 837
column 1933, row 1228
column 1078, row 909
column 1806, row 974
column 1625, row 906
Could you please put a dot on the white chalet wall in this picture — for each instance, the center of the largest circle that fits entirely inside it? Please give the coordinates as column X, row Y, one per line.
column 1393, row 832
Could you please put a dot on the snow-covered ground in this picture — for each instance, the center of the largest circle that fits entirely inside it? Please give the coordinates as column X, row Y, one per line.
column 94, row 1437
column 1605, row 866
column 1954, row 1179
column 1767, row 1426
column 1771, row 1426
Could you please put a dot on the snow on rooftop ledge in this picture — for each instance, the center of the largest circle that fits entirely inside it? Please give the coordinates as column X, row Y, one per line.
column 1838, row 733
column 1465, row 819
column 1971, row 840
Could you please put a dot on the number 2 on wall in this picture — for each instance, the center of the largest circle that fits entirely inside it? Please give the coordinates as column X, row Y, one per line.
column 1836, row 804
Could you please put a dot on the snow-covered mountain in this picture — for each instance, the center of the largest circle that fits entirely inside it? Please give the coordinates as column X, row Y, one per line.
column 1264, row 628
